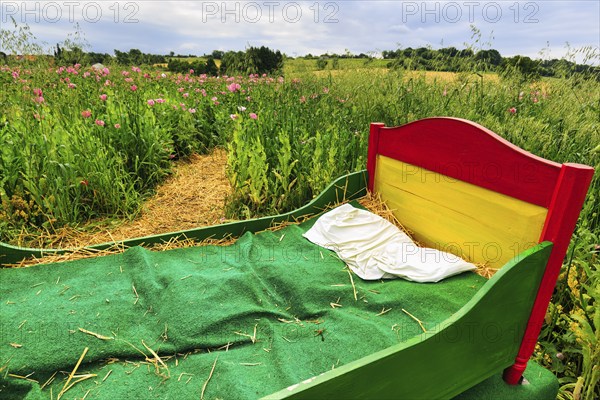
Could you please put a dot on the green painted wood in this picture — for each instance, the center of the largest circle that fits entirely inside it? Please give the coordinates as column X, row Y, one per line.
column 478, row 341
column 347, row 187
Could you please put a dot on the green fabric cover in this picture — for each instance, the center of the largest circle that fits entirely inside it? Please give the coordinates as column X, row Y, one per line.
column 540, row 384
column 197, row 305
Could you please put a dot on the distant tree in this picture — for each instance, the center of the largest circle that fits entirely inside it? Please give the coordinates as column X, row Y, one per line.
column 465, row 53
column 92, row 58
column 135, row 57
column 449, row 51
column 211, row 67
column 524, row 65
column 491, row 57
column 73, row 55
column 255, row 60
column 58, row 52
column 232, row 63
column 217, row 54
column 122, row 57
column 321, row 63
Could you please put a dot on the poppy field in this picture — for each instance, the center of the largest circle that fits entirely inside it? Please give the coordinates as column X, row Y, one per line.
column 81, row 144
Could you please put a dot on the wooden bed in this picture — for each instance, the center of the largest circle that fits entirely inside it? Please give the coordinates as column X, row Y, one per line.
column 460, row 188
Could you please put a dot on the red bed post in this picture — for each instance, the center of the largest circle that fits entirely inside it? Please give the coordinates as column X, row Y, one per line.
column 565, row 206
column 372, row 152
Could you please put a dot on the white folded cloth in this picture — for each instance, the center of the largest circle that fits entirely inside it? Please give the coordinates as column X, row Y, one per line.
column 376, row 249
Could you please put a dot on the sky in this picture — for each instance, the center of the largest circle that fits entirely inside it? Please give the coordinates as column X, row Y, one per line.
column 538, row 29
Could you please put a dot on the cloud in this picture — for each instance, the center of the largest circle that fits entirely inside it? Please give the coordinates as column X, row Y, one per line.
column 399, row 29
column 300, row 27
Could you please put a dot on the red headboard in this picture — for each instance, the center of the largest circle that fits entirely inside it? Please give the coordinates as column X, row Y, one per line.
column 468, row 152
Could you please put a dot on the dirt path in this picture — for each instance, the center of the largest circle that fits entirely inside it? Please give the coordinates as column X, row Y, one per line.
column 193, row 196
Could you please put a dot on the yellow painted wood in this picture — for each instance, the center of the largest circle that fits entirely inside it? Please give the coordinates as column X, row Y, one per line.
column 477, row 224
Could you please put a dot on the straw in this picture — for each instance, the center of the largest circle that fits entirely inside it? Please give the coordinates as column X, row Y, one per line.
column 207, row 380
column 416, row 319
column 66, row 386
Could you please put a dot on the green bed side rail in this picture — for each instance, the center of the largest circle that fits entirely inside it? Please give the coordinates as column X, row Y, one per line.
column 475, row 343
column 345, row 188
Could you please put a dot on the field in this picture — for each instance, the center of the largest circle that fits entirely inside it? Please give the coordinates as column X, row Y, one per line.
column 81, row 145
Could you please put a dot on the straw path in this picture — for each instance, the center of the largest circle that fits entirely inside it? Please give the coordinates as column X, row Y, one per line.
column 193, row 196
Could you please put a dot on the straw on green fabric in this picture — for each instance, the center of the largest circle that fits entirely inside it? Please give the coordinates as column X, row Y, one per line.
column 273, row 307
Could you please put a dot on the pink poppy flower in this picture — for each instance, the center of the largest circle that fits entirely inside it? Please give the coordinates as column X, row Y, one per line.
column 86, row 113
column 234, row 87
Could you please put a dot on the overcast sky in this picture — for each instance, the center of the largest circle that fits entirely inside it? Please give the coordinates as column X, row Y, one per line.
column 301, row 27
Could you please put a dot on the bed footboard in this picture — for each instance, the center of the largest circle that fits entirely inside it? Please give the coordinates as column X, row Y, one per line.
column 480, row 340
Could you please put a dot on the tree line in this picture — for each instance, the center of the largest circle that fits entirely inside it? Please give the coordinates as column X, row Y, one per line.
column 454, row 60
column 263, row 60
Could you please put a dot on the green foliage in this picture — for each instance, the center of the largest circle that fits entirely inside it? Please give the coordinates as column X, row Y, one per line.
column 490, row 60
column 136, row 57
column 254, row 60
column 321, row 63
column 198, row 67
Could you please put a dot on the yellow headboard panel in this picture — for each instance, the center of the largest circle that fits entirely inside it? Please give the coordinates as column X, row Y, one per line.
column 475, row 223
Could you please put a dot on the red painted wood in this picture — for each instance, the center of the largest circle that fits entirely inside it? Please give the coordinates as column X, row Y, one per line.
column 469, row 152
column 372, row 153
column 569, row 194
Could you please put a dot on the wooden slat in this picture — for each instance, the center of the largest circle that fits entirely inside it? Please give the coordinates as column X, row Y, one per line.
column 478, row 224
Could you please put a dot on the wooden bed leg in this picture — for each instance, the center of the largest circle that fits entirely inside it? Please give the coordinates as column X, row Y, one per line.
column 563, row 212
column 514, row 374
